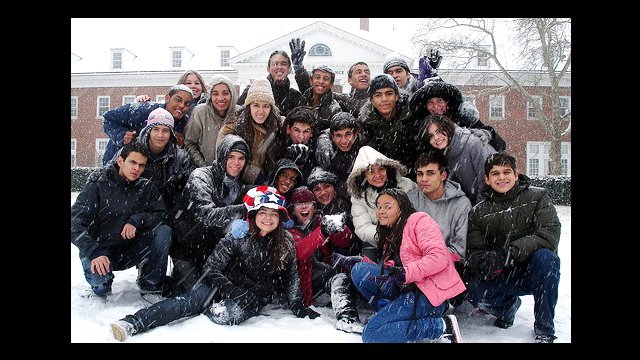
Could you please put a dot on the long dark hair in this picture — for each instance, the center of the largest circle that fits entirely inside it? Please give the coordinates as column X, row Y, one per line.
column 390, row 237
column 443, row 122
column 280, row 249
column 392, row 182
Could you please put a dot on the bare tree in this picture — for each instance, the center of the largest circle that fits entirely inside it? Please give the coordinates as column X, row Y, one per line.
column 543, row 51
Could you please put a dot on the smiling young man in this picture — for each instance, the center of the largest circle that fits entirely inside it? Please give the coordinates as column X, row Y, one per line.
column 512, row 248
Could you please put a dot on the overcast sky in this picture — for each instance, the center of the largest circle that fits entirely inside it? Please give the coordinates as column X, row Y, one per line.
column 92, row 39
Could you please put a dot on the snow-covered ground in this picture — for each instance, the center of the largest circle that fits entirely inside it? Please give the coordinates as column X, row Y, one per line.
column 90, row 317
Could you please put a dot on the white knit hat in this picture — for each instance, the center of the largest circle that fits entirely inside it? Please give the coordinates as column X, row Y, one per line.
column 260, row 90
column 160, row 116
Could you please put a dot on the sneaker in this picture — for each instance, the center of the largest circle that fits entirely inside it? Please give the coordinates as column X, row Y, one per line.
column 545, row 339
column 451, row 329
column 122, row 330
column 349, row 326
column 152, row 298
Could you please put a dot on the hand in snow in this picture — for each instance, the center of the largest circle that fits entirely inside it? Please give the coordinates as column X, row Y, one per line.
column 239, row 228
column 330, row 225
column 299, row 153
column 297, row 51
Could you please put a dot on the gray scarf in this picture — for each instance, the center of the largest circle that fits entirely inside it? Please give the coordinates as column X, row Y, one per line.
column 233, row 184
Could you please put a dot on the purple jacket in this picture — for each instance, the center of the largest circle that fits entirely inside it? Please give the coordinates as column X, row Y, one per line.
column 427, row 261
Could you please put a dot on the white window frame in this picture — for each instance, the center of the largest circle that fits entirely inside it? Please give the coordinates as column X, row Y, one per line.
column 101, row 147
column 531, row 111
column 561, row 109
column 539, row 151
column 101, row 109
column 482, row 61
column 74, row 107
column 492, row 105
column 176, row 55
column 74, row 144
column 128, row 99
column 160, row 99
column 225, row 55
column 117, row 64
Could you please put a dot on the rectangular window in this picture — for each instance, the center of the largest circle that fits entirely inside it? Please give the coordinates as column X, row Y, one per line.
column 128, row 99
column 176, row 58
column 101, row 146
column 116, row 60
column 538, row 158
column 104, row 105
column 532, row 112
column 74, row 107
column 564, row 105
column 483, row 56
column 160, row 98
column 224, row 57
column 496, row 106
column 73, row 152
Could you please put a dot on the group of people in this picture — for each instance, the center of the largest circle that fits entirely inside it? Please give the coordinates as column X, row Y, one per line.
column 394, row 197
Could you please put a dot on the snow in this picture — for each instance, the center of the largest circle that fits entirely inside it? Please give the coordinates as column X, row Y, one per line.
column 90, row 317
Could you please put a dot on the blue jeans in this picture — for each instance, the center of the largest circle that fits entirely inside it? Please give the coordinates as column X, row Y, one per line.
column 538, row 276
column 149, row 251
column 408, row 317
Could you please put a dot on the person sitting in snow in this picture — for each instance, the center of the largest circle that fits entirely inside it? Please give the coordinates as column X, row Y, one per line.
column 119, row 221
column 512, row 248
column 252, row 263
column 316, row 237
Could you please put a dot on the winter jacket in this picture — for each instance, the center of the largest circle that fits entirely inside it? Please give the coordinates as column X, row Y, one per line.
column 202, row 216
column 328, row 107
column 201, row 133
column 285, row 96
column 353, row 102
column 387, row 136
column 427, row 261
column 342, row 162
column 127, row 117
column 451, row 212
column 263, row 145
column 466, row 155
column 313, row 253
column 168, row 171
column 363, row 197
column 281, row 164
column 238, row 269
column 523, row 218
column 106, row 203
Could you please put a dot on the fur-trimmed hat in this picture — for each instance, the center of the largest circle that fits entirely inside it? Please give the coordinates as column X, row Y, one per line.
column 447, row 92
column 320, row 175
column 265, row 196
column 160, row 116
column 394, row 59
column 380, row 82
column 301, row 194
column 260, row 90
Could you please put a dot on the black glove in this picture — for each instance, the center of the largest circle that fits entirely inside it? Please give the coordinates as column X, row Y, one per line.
column 485, row 265
column 302, row 311
column 297, row 51
column 329, row 226
column 324, row 151
column 345, row 261
column 435, row 58
column 299, row 153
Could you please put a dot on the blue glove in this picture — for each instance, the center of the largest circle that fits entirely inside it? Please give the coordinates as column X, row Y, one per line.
column 346, row 261
column 239, row 228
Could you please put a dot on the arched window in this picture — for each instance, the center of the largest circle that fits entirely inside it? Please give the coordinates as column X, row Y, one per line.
column 320, row 50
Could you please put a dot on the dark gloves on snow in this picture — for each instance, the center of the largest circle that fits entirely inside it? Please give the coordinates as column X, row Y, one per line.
column 297, row 51
column 299, row 153
column 345, row 261
column 302, row 311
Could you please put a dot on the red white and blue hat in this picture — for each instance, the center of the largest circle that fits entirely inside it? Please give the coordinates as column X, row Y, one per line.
column 265, row 196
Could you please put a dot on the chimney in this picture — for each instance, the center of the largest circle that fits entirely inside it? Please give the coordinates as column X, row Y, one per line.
column 364, row 24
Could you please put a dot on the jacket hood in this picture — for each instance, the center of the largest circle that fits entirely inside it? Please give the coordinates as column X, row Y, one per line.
column 144, row 138
column 370, row 156
column 218, row 79
column 441, row 89
column 285, row 163
column 230, row 142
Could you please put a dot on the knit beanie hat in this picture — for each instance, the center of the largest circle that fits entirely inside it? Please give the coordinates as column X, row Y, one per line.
column 160, row 116
column 302, row 194
column 260, row 90
column 320, row 175
column 394, row 59
column 380, row 82
column 265, row 196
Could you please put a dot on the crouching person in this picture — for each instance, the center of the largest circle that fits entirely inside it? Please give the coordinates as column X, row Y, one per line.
column 246, row 268
column 117, row 223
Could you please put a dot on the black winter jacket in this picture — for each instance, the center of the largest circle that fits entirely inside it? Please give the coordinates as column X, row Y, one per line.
column 106, row 203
